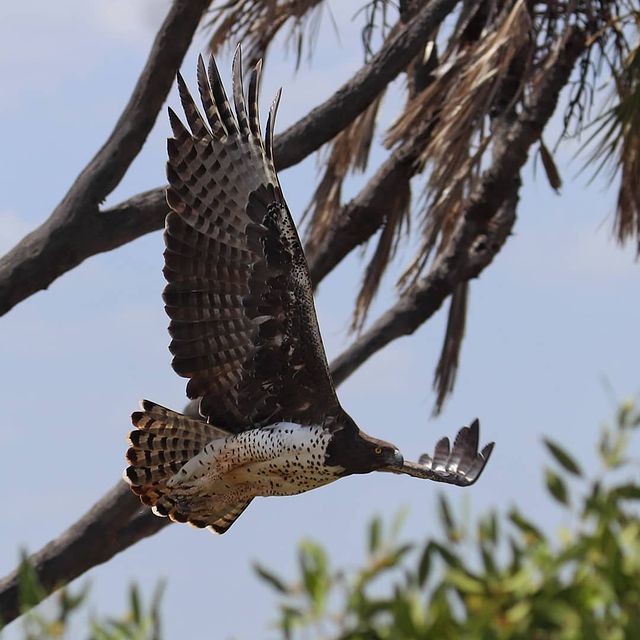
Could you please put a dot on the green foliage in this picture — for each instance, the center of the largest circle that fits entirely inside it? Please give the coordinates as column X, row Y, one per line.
column 503, row 578
column 139, row 622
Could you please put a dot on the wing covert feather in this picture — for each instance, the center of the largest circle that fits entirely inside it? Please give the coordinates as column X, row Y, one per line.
column 243, row 323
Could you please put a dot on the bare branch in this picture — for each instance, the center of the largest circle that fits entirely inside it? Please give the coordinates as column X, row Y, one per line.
column 419, row 303
column 68, row 236
column 364, row 215
column 127, row 221
column 57, row 245
column 114, row 523
column 332, row 116
column 484, row 225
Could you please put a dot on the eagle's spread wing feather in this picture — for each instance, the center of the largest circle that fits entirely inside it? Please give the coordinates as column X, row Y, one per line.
column 243, row 324
column 461, row 464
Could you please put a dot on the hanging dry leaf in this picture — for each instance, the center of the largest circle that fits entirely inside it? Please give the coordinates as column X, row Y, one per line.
column 553, row 176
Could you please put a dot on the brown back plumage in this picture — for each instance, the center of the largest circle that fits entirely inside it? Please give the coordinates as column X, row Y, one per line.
column 243, row 324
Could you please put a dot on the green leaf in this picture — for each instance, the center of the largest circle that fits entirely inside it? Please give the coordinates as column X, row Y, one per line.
column 134, row 603
column 30, row 591
column 69, row 602
column 518, row 613
column 525, row 525
column 449, row 557
column 516, row 555
column 291, row 617
column 446, row 518
column 98, row 632
column 424, row 566
column 121, row 628
column 465, row 582
column 627, row 492
column 556, row 486
column 403, row 611
column 156, row 601
column 624, row 418
column 562, row 457
column 400, row 552
column 270, row 578
column 487, row 559
column 313, row 567
column 397, row 523
column 488, row 529
column 375, row 535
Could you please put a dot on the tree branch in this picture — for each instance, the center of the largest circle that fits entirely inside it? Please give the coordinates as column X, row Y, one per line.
column 359, row 220
column 345, row 105
column 484, row 225
column 111, row 525
column 60, row 243
column 362, row 216
column 419, row 303
column 76, row 229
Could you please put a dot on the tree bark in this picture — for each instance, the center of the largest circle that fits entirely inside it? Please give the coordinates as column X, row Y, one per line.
column 59, row 244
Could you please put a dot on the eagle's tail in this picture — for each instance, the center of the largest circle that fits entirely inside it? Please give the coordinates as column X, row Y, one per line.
column 162, row 442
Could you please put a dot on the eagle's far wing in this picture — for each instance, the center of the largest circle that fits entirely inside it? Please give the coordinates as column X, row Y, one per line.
column 243, row 323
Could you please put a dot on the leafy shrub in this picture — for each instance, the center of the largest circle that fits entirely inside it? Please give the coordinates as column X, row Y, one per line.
column 502, row 578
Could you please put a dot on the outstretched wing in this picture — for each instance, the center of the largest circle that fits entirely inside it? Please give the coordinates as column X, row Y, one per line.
column 243, row 323
column 461, row 464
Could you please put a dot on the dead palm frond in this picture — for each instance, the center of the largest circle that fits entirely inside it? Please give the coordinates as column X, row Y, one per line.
column 256, row 23
column 447, row 367
column 377, row 22
column 461, row 103
column 396, row 222
column 423, row 120
column 616, row 147
column 550, row 167
column 348, row 151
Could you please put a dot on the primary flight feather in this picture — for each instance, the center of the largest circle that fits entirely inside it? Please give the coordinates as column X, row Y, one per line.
column 244, row 332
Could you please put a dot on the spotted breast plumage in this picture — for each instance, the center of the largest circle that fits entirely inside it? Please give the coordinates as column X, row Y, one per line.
column 244, row 332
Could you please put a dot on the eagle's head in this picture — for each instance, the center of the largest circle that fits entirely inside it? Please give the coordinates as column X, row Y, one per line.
column 358, row 452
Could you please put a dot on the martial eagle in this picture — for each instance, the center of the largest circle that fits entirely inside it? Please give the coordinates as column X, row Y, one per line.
column 244, row 332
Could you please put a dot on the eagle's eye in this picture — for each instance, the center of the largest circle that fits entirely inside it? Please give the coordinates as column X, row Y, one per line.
column 378, row 450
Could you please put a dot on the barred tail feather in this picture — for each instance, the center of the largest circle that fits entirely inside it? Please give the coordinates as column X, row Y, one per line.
column 161, row 444
column 200, row 513
column 222, row 524
column 210, row 512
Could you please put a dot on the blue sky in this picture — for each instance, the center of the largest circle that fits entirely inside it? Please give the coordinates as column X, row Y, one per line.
column 552, row 325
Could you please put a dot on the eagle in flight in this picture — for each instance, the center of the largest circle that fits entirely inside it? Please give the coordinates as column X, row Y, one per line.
column 244, row 332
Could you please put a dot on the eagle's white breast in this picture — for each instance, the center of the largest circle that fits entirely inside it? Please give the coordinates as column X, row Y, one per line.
column 281, row 459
